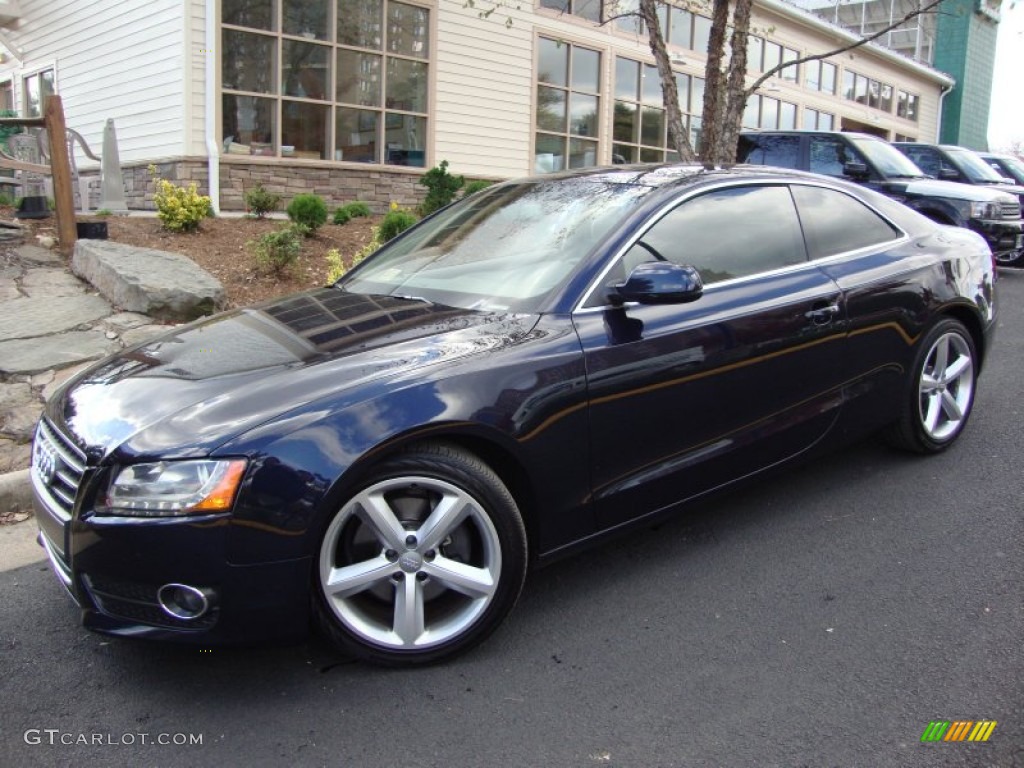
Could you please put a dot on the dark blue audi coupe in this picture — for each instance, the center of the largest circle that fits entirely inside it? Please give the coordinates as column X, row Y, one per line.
column 545, row 363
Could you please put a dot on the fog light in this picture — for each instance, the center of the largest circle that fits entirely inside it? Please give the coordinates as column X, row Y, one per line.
column 182, row 601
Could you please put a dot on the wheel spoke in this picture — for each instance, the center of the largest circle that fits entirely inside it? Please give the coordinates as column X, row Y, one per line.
column 374, row 510
column 467, row 579
column 409, row 610
column 932, row 411
column 929, row 383
column 353, row 579
column 951, row 407
column 941, row 358
column 957, row 368
column 447, row 516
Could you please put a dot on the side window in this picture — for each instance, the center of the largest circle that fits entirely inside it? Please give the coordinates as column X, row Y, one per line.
column 781, row 151
column 727, row 233
column 926, row 159
column 835, row 223
column 829, row 154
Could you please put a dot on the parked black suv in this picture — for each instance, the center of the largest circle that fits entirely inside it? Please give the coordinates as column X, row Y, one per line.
column 1005, row 165
column 875, row 163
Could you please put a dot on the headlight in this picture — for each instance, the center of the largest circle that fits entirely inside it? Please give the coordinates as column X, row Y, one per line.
column 985, row 211
column 173, row 488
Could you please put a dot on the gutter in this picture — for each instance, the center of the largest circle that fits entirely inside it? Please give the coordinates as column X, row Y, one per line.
column 938, row 124
column 210, row 98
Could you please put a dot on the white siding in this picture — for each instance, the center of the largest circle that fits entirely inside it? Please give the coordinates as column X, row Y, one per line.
column 120, row 59
column 483, row 75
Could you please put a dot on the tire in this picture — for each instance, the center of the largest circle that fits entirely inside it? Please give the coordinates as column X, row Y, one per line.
column 422, row 562
column 1014, row 259
column 940, row 392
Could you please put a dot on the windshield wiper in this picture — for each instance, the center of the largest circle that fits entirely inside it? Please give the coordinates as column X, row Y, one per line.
column 410, row 298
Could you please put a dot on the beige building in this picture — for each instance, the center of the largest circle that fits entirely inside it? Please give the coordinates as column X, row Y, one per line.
column 353, row 99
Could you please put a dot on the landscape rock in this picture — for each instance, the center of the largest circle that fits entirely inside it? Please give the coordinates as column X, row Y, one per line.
column 14, row 455
column 35, row 254
column 163, row 285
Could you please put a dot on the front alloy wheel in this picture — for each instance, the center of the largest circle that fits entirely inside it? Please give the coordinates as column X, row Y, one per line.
column 423, row 562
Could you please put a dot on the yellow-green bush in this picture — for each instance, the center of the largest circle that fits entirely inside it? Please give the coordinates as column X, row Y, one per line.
column 180, row 209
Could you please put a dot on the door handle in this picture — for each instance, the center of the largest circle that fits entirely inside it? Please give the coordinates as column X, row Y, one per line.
column 822, row 315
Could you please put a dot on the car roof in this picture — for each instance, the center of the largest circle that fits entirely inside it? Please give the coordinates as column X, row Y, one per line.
column 795, row 132
column 670, row 175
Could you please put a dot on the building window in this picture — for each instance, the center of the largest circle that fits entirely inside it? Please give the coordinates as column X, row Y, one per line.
column 820, row 76
column 343, row 80
column 568, row 106
column 901, row 137
column 817, row 121
column 766, row 112
column 864, row 90
column 37, row 88
column 585, row 9
column 907, row 105
column 640, row 128
column 763, row 55
column 7, row 98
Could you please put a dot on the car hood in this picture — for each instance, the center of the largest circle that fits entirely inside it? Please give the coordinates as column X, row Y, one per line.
column 186, row 392
column 952, row 190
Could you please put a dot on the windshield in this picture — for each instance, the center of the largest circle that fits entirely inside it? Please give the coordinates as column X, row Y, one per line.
column 976, row 169
column 1009, row 166
column 888, row 160
column 506, row 248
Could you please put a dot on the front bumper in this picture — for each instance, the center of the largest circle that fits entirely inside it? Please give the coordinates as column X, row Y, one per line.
column 1003, row 237
column 114, row 567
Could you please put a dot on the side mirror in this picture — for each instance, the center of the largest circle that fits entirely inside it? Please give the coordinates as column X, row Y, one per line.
column 948, row 174
column 855, row 170
column 659, row 282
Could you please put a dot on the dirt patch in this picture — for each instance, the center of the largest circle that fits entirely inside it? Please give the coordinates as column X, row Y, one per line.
column 220, row 247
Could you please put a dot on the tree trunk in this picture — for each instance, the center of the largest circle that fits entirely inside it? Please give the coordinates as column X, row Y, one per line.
column 715, row 98
column 736, row 92
column 673, row 114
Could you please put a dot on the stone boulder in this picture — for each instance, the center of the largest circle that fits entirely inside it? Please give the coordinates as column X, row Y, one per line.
column 163, row 285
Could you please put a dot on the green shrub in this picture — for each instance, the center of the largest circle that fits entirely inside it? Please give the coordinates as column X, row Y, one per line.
column 441, row 188
column 104, row 212
column 336, row 267
column 7, row 199
column 475, row 186
column 180, row 209
column 395, row 222
column 309, row 210
column 351, row 211
column 276, row 251
column 259, row 202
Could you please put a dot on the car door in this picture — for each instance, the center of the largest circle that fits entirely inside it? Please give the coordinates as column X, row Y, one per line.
column 684, row 398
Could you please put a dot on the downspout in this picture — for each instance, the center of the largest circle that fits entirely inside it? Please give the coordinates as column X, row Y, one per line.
column 212, row 145
column 938, row 125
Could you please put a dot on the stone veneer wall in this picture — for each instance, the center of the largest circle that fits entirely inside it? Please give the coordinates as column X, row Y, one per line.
column 336, row 184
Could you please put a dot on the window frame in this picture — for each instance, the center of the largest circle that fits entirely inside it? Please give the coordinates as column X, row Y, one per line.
column 599, row 281
column 27, row 75
column 567, row 136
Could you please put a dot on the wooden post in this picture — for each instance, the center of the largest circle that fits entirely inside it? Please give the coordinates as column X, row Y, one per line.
column 60, row 165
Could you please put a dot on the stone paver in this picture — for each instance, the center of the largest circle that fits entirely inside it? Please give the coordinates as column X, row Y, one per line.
column 48, row 281
column 33, row 254
column 9, row 289
column 28, row 356
column 27, row 318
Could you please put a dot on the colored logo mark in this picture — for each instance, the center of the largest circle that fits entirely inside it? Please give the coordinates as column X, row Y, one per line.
column 958, row 730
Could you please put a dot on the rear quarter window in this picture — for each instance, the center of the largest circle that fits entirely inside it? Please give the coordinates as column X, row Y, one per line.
column 835, row 222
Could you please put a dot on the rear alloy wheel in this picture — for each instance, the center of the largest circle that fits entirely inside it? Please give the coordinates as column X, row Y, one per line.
column 423, row 562
column 942, row 390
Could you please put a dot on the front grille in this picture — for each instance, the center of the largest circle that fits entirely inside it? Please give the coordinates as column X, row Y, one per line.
column 57, row 469
column 1010, row 210
column 138, row 602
